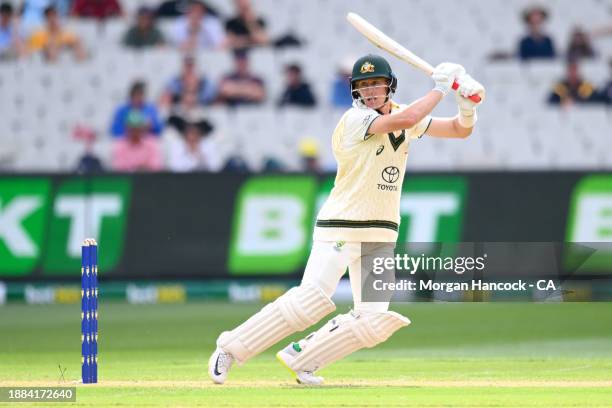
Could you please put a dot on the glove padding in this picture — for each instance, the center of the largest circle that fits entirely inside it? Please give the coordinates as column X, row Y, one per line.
column 445, row 74
column 468, row 86
column 467, row 108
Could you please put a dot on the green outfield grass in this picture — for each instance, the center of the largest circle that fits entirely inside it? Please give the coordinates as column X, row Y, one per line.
column 453, row 355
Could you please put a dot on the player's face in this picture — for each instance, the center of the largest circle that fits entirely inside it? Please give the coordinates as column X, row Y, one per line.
column 373, row 91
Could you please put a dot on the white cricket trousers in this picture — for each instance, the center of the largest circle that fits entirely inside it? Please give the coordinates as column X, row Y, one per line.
column 328, row 262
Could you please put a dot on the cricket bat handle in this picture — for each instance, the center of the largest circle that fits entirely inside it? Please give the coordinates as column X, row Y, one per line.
column 474, row 97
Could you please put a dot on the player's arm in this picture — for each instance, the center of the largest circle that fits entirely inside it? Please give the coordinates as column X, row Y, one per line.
column 444, row 75
column 447, row 127
column 408, row 117
column 461, row 125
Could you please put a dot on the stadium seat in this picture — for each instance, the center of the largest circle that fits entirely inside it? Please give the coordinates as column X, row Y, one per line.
column 43, row 102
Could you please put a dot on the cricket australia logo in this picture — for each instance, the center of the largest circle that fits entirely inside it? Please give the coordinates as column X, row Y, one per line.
column 389, row 175
column 367, row 67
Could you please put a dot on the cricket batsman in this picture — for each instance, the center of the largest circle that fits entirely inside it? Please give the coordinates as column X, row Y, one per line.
column 370, row 144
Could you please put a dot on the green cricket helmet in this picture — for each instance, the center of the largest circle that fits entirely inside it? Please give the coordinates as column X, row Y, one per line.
column 372, row 66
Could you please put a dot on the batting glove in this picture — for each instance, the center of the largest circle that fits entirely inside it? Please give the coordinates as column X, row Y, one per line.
column 445, row 74
column 467, row 108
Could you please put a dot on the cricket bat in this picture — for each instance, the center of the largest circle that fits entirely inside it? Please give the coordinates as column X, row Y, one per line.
column 383, row 41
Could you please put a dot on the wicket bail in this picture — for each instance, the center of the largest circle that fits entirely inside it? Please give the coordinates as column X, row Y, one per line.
column 89, row 311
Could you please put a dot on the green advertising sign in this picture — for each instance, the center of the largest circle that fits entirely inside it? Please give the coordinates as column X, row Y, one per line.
column 590, row 224
column 272, row 225
column 274, row 217
column 41, row 227
column 43, row 220
column 95, row 208
column 432, row 209
column 24, row 205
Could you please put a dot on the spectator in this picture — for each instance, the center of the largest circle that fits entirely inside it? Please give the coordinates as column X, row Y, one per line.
column 580, row 45
column 536, row 44
column 272, row 164
column 143, row 33
column 136, row 102
column 572, row 89
column 241, row 87
column 11, row 45
column 89, row 162
column 63, row 7
column 98, row 9
column 605, row 94
column 189, row 80
column 245, row 29
column 309, row 154
column 194, row 149
column 54, row 38
column 139, row 150
column 198, row 29
column 297, row 91
column 341, row 87
column 174, row 8
column 33, row 13
column 187, row 110
column 235, row 164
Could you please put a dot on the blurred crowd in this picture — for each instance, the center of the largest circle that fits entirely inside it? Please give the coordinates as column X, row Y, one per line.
column 172, row 131
column 537, row 44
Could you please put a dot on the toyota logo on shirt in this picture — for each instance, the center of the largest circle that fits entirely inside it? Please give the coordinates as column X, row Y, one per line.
column 390, row 174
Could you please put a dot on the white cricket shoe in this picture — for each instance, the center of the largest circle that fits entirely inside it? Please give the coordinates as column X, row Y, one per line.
column 219, row 365
column 287, row 355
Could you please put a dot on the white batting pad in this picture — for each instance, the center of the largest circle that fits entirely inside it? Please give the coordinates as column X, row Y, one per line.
column 299, row 308
column 345, row 334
